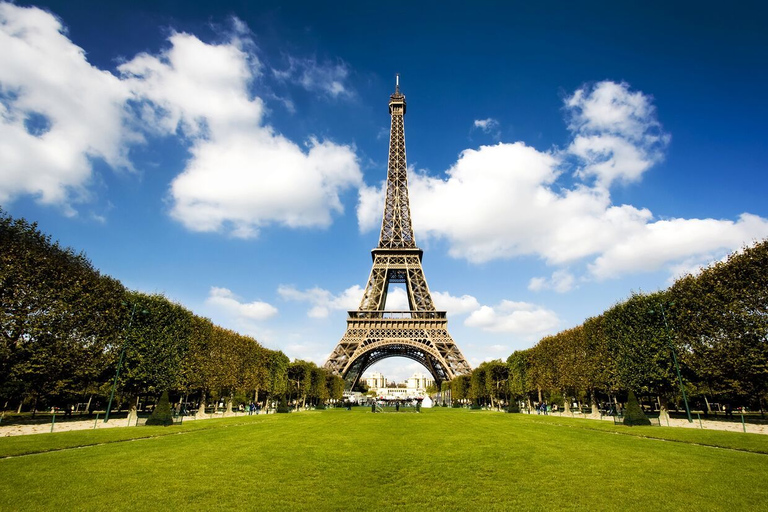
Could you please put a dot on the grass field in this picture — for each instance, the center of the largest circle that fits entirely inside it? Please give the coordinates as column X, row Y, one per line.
column 442, row 459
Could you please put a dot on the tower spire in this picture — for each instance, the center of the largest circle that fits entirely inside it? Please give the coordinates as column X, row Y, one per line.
column 396, row 228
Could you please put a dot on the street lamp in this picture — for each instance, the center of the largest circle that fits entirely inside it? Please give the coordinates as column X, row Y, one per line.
column 120, row 362
column 674, row 358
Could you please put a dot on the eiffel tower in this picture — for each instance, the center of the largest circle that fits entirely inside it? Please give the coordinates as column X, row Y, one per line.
column 421, row 333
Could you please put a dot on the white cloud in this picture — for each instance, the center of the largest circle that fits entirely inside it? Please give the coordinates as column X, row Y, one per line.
column 328, row 78
column 507, row 200
column 323, row 301
column 241, row 175
column 487, row 125
column 444, row 301
column 676, row 240
column 561, row 281
column 616, row 133
column 229, row 304
column 57, row 112
column 521, row 318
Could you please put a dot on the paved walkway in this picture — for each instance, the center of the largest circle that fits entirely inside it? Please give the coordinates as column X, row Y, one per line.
column 705, row 424
column 64, row 426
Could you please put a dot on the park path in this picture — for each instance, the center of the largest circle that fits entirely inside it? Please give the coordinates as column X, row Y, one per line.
column 704, row 424
column 44, row 428
column 98, row 424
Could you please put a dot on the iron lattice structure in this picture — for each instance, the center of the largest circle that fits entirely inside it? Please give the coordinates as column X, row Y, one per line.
column 421, row 333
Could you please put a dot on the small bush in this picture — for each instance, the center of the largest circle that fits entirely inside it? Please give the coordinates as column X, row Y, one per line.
column 633, row 414
column 456, row 405
column 162, row 414
column 513, row 407
column 283, row 406
column 320, row 406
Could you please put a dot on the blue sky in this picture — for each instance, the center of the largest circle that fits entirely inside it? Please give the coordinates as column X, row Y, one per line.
column 231, row 157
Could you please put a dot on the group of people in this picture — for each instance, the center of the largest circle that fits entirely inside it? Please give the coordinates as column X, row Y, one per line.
column 252, row 408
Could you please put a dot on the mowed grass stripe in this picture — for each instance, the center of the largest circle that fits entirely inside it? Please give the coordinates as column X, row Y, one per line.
column 340, row 460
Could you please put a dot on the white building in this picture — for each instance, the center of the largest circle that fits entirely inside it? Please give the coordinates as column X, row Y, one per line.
column 376, row 381
column 419, row 382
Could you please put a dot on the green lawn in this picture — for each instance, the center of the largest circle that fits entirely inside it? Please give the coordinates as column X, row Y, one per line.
column 442, row 459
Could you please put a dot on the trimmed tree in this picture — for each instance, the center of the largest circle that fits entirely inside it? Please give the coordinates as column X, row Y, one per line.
column 633, row 414
column 162, row 414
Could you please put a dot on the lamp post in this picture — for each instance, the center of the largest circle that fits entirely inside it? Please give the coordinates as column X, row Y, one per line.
column 677, row 366
column 119, row 364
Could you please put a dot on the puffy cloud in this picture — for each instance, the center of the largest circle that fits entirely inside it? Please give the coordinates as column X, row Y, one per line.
column 444, row 301
column 676, row 240
column 195, row 88
column 229, row 304
column 241, row 175
column 616, row 133
column 57, row 112
column 561, row 281
column 508, row 200
column 323, row 301
column 521, row 318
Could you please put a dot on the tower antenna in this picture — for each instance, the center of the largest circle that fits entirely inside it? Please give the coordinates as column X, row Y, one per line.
column 397, row 83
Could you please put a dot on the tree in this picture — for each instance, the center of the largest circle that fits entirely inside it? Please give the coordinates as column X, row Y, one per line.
column 478, row 390
column 460, row 388
column 497, row 382
column 335, row 387
column 58, row 316
column 161, row 414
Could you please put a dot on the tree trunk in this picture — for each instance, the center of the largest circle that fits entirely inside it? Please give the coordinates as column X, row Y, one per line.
column 566, row 404
column 709, row 409
column 593, row 403
column 21, row 402
column 201, row 410
column 663, row 411
column 88, row 407
column 229, row 406
column 540, row 395
column 133, row 412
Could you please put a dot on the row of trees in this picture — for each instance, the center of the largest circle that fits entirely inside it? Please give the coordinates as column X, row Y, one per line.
column 488, row 384
column 715, row 324
column 66, row 328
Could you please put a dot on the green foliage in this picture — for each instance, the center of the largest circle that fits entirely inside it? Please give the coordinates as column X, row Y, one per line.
column 633, row 413
column 59, row 316
column 63, row 326
column 460, row 388
column 335, row 387
column 519, row 368
column 283, row 405
column 715, row 324
column 161, row 415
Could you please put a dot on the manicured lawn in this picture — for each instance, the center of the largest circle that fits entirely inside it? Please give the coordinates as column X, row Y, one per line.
column 442, row 459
